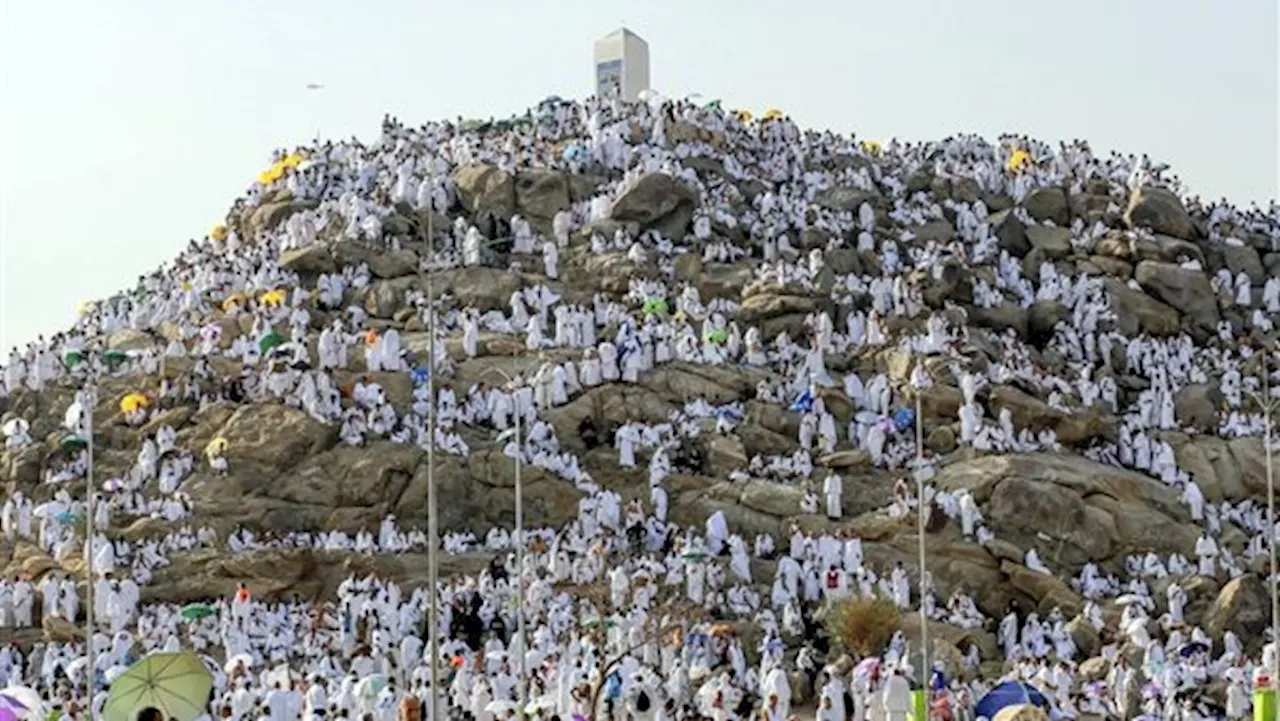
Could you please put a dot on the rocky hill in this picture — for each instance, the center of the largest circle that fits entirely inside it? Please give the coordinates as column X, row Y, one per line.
column 960, row 222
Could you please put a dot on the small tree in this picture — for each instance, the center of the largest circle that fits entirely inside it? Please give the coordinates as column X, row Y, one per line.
column 862, row 626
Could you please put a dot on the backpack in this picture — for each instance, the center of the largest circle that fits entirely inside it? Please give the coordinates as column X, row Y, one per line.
column 642, row 702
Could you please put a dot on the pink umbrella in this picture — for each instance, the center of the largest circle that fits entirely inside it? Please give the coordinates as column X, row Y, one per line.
column 867, row 667
column 11, row 708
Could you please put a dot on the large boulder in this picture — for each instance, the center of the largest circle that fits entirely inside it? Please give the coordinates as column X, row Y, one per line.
column 1011, row 232
column 845, row 199
column 1089, row 509
column 273, row 437
column 482, row 288
column 1186, row 290
column 313, row 259
column 1048, row 204
column 1138, row 313
column 129, row 339
column 1243, row 607
column 268, row 216
column 1196, row 406
column 540, row 194
column 1244, row 259
column 1053, row 241
column 657, row 201
column 1160, row 210
column 486, row 187
column 382, row 299
column 772, row 498
column 1031, row 412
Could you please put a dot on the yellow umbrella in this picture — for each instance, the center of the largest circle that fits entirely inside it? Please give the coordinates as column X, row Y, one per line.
column 773, row 114
column 720, row 629
column 176, row 684
column 292, row 160
column 1019, row 160
column 218, row 232
column 743, row 115
column 217, row 447
column 273, row 297
column 85, row 308
column 133, row 402
column 871, row 147
column 1021, row 712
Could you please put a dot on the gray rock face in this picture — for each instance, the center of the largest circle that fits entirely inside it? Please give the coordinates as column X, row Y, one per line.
column 1048, row 204
column 1187, row 291
column 288, row 472
column 657, row 201
column 1054, row 242
column 1161, row 211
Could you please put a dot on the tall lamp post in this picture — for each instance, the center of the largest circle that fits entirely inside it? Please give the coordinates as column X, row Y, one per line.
column 91, row 392
column 433, row 527
column 88, row 546
column 920, row 381
column 1267, row 403
column 522, row 697
column 1265, row 400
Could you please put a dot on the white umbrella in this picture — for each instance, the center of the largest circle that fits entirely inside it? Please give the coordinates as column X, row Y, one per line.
column 500, row 706
column 48, row 509
column 15, row 426
column 71, row 419
column 368, row 688
column 76, row 667
column 541, row 702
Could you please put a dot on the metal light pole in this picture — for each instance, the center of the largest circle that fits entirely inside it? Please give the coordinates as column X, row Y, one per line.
column 433, row 523
column 524, row 652
column 88, row 547
column 919, row 380
column 522, row 693
column 1271, row 518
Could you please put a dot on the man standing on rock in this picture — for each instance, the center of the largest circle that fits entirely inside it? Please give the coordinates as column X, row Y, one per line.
column 1206, row 551
column 833, row 487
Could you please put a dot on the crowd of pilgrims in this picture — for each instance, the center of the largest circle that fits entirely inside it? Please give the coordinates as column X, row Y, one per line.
column 364, row 653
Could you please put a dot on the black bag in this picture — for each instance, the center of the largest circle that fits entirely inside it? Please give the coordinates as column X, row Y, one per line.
column 642, row 702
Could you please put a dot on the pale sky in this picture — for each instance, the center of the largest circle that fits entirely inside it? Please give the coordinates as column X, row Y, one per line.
column 129, row 126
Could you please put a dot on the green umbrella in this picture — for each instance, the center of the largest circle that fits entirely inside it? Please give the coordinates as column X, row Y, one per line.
column 114, row 358
column 656, row 306
column 72, row 358
column 196, row 611
column 269, row 341
column 74, row 442
column 176, row 684
column 713, row 105
column 717, row 336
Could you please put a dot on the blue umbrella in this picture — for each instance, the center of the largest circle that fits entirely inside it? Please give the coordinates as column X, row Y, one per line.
column 938, row 680
column 1009, row 693
column 1190, row 649
column 903, row 418
column 419, row 376
column 65, row 517
column 803, row 402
